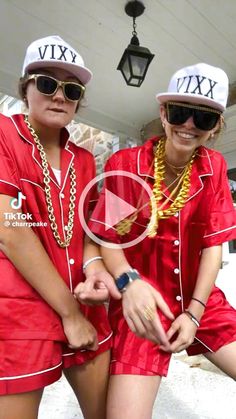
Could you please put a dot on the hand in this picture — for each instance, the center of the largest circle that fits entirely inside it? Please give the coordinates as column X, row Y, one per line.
column 80, row 332
column 185, row 329
column 140, row 302
column 97, row 288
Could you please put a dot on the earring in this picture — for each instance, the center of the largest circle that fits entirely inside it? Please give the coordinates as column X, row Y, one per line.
column 212, row 135
column 163, row 124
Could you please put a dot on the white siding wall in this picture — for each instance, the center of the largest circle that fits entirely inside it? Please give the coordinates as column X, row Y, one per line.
column 227, row 276
column 227, row 143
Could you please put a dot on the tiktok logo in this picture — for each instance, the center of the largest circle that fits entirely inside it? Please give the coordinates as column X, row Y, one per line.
column 16, row 203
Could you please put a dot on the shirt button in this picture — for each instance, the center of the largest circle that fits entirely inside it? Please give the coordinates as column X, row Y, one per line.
column 176, row 214
column 62, row 195
column 178, row 298
column 176, row 270
column 72, row 261
column 176, row 242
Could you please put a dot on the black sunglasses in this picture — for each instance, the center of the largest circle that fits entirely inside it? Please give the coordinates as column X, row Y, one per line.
column 204, row 118
column 48, row 86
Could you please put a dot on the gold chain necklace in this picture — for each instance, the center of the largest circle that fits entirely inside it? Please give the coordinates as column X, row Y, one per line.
column 47, row 189
column 175, row 167
column 124, row 226
column 177, row 170
column 159, row 173
column 177, row 179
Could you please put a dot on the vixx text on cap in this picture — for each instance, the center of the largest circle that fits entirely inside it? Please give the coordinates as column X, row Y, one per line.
column 196, row 84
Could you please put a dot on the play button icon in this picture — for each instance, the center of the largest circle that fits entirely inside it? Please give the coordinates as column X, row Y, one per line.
column 116, row 209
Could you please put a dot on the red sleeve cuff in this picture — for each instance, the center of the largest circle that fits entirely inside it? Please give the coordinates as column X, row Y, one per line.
column 8, row 189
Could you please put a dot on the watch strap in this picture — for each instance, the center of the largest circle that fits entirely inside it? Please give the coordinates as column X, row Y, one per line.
column 126, row 278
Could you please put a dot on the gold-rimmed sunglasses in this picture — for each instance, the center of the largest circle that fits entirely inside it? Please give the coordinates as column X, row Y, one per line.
column 204, row 118
column 48, row 85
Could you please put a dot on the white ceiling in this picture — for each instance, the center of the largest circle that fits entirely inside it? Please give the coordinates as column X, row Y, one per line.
column 178, row 32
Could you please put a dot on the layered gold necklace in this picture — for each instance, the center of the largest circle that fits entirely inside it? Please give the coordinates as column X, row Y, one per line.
column 177, row 170
column 47, row 189
column 157, row 211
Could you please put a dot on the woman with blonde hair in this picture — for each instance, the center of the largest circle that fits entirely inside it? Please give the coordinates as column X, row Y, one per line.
column 169, row 300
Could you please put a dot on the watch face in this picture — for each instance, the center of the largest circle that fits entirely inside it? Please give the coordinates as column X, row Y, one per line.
column 122, row 281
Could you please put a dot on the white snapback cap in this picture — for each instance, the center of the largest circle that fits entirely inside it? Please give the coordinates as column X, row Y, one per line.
column 53, row 51
column 201, row 84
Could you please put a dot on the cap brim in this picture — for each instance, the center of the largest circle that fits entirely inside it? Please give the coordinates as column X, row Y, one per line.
column 188, row 98
column 81, row 73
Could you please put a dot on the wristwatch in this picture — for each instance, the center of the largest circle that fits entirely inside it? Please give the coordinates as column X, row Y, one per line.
column 126, row 278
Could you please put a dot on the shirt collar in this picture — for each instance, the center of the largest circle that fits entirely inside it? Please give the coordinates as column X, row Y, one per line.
column 145, row 158
column 201, row 167
column 67, row 155
column 202, row 164
column 23, row 130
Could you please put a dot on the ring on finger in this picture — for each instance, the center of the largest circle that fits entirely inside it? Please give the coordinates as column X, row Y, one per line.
column 149, row 313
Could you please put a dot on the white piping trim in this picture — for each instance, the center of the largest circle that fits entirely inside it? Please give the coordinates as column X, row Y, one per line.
column 198, row 191
column 68, row 168
column 69, row 354
column 202, row 175
column 64, row 236
column 62, row 213
column 31, row 375
column 84, row 350
column 201, row 188
column 209, row 160
column 180, row 271
column 219, row 232
column 199, row 340
column 62, row 217
column 152, row 177
column 9, row 183
column 34, row 183
column 69, row 268
column 138, row 164
column 107, row 338
column 33, row 150
column 68, row 141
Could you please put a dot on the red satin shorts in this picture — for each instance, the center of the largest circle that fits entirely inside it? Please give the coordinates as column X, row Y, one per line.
column 33, row 364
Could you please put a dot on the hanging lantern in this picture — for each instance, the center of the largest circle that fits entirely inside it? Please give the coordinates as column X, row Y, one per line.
column 135, row 60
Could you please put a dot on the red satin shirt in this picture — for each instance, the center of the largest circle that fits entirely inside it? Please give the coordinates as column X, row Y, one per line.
column 23, row 313
column 170, row 261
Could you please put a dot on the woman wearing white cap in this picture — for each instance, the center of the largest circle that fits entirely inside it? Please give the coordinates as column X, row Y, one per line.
column 43, row 329
column 169, row 301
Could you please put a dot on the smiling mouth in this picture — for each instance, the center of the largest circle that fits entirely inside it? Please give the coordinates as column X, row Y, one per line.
column 185, row 135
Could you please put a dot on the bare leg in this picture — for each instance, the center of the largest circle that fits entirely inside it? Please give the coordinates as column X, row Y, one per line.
column 132, row 396
column 225, row 359
column 19, row 406
column 89, row 383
